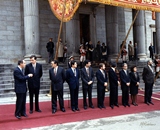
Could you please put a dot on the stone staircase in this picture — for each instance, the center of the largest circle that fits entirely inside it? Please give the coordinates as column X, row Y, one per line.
column 7, row 81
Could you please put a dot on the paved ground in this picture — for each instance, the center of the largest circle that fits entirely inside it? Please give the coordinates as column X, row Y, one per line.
column 140, row 121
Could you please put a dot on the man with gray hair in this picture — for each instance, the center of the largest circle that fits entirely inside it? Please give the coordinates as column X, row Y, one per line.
column 148, row 78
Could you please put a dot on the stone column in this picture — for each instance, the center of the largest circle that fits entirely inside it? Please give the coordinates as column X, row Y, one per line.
column 73, row 35
column 31, row 28
column 139, row 34
column 158, row 33
column 111, row 16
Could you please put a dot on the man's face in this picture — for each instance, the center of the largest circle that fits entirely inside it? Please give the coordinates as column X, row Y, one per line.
column 23, row 64
column 75, row 65
column 125, row 67
column 89, row 64
column 53, row 64
column 32, row 60
column 103, row 67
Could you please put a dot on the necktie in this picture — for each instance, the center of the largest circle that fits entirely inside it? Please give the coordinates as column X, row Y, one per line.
column 87, row 70
column 75, row 72
column 34, row 66
column 55, row 71
column 103, row 73
column 151, row 68
column 125, row 72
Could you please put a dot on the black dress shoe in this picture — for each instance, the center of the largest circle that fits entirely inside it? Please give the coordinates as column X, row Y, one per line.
column 91, row 106
column 30, row 111
column 77, row 109
column 116, row 105
column 151, row 103
column 39, row 110
column 63, row 110
column 53, row 111
column 85, row 107
column 112, row 106
column 18, row 117
column 128, row 105
column 99, row 107
column 147, row 103
column 124, row 105
column 104, row 107
column 25, row 115
column 73, row 110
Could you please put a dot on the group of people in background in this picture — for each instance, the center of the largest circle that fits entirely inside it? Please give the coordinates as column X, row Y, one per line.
column 129, row 82
column 88, row 51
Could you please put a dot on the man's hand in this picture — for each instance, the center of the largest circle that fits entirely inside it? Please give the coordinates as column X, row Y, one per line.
column 90, row 82
column 128, row 84
column 105, row 84
column 30, row 75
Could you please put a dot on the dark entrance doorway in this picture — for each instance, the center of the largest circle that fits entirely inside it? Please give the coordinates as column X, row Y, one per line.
column 84, row 28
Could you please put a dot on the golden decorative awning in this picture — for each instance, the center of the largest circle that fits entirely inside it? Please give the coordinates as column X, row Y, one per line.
column 69, row 7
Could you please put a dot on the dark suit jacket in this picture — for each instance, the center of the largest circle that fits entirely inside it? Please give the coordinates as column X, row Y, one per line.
column 147, row 75
column 34, row 82
column 58, row 79
column 85, row 78
column 72, row 81
column 113, row 78
column 133, row 79
column 124, row 78
column 101, row 79
column 20, row 81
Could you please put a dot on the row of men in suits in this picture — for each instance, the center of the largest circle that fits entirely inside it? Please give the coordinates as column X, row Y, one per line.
column 32, row 74
column 58, row 77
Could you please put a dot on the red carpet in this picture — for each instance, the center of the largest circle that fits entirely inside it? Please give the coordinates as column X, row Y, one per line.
column 46, row 118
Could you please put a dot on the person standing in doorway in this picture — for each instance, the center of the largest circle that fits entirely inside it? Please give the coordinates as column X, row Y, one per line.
column 50, row 49
column 20, row 89
column 130, row 51
column 90, row 50
column 87, row 77
column 151, row 50
column 57, row 77
column 34, row 82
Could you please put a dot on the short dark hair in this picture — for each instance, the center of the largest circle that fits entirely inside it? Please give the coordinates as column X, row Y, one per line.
column 86, row 62
column 33, row 56
column 73, row 62
column 132, row 68
column 55, row 62
column 20, row 62
column 124, row 64
column 101, row 65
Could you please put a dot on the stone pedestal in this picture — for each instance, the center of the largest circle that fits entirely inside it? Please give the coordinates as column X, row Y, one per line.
column 158, row 33
column 31, row 28
column 111, row 14
column 73, row 35
column 139, row 34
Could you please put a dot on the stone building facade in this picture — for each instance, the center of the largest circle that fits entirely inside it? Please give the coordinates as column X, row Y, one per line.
column 27, row 25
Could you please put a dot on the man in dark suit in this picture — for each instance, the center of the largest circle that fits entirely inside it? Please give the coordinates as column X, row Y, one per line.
column 148, row 78
column 20, row 89
column 72, row 78
column 113, row 81
column 57, row 77
column 50, row 47
column 34, row 82
column 87, row 77
column 125, row 83
column 101, row 85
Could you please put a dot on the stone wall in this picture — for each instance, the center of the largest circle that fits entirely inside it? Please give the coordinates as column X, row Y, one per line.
column 49, row 26
column 11, row 31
